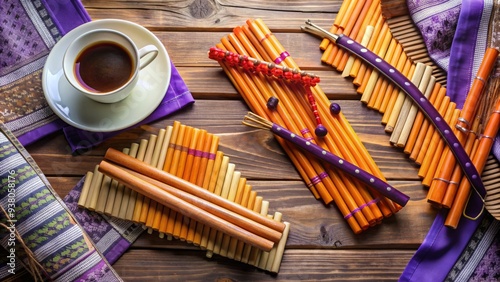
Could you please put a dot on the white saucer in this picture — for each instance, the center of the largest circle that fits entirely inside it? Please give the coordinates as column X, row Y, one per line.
column 84, row 113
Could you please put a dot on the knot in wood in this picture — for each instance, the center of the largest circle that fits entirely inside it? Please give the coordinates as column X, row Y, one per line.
column 201, row 9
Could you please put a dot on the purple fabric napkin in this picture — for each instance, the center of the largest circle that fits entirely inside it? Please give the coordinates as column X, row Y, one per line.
column 445, row 252
column 28, row 31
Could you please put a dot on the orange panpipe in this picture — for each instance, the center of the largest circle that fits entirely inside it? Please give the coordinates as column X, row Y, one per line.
column 422, row 134
column 477, row 87
column 374, row 19
column 380, row 88
column 479, row 161
column 436, row 159
column 271, row 50
column 434, row 142
column 470, row 147
column 340, row 15
column 273, row 116
column 363, row 71
column 419, row 119
column 396, row 58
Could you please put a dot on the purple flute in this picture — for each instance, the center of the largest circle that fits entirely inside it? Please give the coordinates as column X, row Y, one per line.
column 412, row 91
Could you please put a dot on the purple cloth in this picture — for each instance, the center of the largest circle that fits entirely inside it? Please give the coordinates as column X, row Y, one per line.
column 443, row 246
column 111, row 236
column 39, row 25
column 467, row 49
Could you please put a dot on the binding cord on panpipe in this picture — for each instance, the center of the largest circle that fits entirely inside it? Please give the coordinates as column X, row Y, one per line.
column 403, row 116
column 193, row 193
column 279, row 100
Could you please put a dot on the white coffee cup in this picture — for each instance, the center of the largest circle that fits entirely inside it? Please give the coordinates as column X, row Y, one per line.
column 104, row 64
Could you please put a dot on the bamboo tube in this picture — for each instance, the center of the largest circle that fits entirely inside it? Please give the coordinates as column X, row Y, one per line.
column 381, row 84
column 427, row 83
column 364, row 72
column 338, row 27
column 218, row 166
column 85, row 189
column 233, row 244
column 189, row 209
column 387, row 87
column 166, row 167
column 212, row 233
column 226, row 186
column 175, row 168
column 196, row 153
column 251, row 253
column 479, row 160
column 419, row 119
column 451, row 189
column 359, row 68
column 477, row 88
column 398, row 104
column 148, row 157
column 182, row 224
column 403, row 66
column 404, row 112
column 435, row 142
column 350, row 62
column 113, row 206
column 224, row 247
column 353, row 26
column 280, row 250
column 135, row 199
column 246, row 201
column 340, row 15
column 95, row 186
column 103, row 194
column 255, row 204
column 124, row 208
column 437, row 157
column 431, row 131
column 380, row 48
column 160, row 164
column 425, row 133
column 209, row 162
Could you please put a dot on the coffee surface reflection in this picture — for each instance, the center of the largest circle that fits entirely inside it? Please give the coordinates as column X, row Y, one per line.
column 104, row 67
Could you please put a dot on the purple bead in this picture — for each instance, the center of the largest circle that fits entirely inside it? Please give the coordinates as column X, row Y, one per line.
column 321, row 131
column 272, row 103
column 334, row 108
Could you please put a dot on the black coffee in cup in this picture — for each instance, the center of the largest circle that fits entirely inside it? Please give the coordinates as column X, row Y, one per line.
column 104, row 67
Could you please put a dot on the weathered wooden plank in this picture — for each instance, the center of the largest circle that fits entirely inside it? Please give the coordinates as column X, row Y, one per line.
column 297, row 265
column 214, row 15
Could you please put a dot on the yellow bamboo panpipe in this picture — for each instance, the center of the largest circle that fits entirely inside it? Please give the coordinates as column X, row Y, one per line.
column 402, row 119
column 360, row 206
column 190, row 154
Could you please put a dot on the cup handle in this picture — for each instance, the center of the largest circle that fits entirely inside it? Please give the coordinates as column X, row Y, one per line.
column 148, row 49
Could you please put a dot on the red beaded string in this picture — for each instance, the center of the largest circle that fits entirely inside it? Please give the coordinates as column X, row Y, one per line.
column 271, row 69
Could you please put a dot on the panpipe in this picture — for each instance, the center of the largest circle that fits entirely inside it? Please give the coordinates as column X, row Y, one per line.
column 302, row 110
column 191, row 155
column 392, row 37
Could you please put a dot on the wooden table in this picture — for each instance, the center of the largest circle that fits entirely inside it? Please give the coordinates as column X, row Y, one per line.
column 320, row 246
